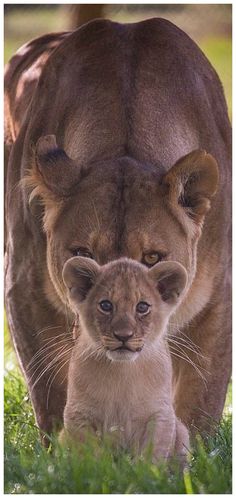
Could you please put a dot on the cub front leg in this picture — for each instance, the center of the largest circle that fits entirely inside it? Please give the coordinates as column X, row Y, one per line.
column 76, row 428
column 160, row 433
column 182, row 444
column 170, row 439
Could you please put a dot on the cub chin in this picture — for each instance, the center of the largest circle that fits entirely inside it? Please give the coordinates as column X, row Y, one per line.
column 120, row 370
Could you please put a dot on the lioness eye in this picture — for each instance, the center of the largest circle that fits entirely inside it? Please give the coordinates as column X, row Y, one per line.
column 151, row 258
column 82, row 251
column 143, row 308
column 106, row 306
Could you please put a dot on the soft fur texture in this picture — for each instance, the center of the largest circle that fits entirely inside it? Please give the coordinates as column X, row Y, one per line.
column 120, row 371
column 109, row 143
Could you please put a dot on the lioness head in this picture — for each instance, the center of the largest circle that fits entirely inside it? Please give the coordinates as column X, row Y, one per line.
column 121, row 207
column 123, row 306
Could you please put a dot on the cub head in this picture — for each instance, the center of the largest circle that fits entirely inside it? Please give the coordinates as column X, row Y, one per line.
column 120, row 208
column 123, row 307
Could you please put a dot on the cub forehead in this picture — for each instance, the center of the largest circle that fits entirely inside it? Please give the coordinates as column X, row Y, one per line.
column 124, row 268
column 124, row 274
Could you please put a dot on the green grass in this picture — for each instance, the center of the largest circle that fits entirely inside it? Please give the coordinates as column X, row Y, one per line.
column 94, row 467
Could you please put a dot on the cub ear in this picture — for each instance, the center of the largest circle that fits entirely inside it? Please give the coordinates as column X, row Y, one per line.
column 170, row 278
column 79, row 275
column 192, row 182
column 60, row 173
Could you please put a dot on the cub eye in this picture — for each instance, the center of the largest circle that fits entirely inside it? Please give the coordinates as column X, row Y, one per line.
column 81, row 251
column 143, row 308
column 106, row 306
column 152, row 258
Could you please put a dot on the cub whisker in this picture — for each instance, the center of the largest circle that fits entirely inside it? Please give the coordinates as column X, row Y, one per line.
column 180, row 349
column 176, row 352
column 64, row 363
column 41, row 331
column 45, row 353
column 185, row 339
column 175, row 341
column 48, row 367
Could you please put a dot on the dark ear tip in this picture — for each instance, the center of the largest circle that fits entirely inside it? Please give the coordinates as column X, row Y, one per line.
column 45, row 144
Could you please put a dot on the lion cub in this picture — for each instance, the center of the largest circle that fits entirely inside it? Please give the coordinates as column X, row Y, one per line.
column 120, row 371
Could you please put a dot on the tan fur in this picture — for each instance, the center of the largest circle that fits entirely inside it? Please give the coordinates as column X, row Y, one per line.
column 126, row 394
column 123, row 134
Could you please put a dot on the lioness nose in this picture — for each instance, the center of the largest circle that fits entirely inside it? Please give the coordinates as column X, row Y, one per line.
column 123, row 335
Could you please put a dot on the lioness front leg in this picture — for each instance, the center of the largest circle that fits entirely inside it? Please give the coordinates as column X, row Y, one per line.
column 39, row 335
column 200, row 392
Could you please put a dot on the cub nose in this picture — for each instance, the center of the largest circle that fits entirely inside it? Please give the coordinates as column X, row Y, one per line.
column 123, row 335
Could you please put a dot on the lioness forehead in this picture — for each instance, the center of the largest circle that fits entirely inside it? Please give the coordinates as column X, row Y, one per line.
column 118, row 210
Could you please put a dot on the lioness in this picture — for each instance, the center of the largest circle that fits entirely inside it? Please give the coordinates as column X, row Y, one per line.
column 107, row 159
column 120, row 370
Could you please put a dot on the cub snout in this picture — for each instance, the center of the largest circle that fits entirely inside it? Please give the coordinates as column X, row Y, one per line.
column 123, row 335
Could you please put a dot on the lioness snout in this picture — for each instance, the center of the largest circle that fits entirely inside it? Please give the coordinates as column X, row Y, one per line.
column 123, row 335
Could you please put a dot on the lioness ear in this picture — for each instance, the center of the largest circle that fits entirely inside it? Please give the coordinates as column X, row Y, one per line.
column 192, row 182
column 60, row 173
column 79, row 275
column 171, row 279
